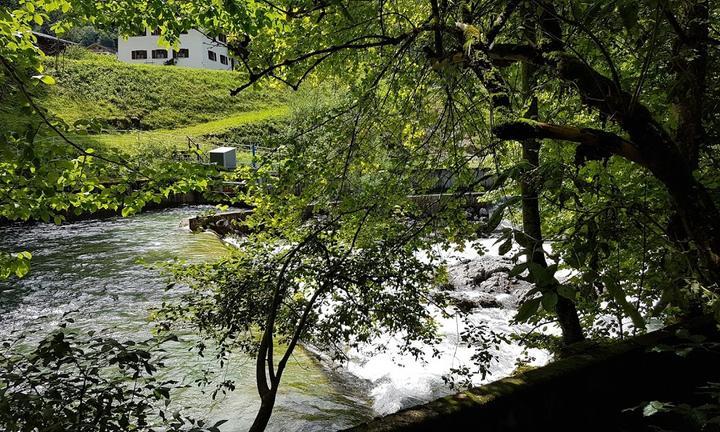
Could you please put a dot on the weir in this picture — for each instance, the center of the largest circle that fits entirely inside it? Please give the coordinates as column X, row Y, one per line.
column 224, row 223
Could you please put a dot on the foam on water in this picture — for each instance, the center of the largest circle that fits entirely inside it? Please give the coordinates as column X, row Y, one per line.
column 399, row 380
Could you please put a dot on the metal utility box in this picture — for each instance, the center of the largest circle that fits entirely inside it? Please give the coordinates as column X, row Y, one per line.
column 224, row 157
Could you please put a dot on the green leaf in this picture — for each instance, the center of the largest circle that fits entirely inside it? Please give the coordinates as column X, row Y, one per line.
column 541, row 275
column 527, row 309
column 505, row 247
column 524, row 240
column 549, row 300
column 566, row 291
column 495, row 219
column 46, row 79
column 518, row 269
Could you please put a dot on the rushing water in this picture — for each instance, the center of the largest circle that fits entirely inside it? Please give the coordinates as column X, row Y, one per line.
column 92, row 268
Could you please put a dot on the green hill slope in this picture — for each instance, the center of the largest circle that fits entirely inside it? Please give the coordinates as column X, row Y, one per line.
column 124, row 96
column 150, row 97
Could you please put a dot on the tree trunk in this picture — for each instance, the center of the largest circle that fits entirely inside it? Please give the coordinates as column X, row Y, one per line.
column 263, row 415
column 532, row 223
column 689, row 62
column 564, row 309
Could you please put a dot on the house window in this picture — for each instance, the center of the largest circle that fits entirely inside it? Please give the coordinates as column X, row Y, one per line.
column 156, row 32
column 139, row 55
column 222, row 38
column 223, row 59
column 182, row 53
column 212, row 56
column 160, row 54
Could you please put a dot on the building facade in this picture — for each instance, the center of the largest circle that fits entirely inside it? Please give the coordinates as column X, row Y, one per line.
column 195, row 51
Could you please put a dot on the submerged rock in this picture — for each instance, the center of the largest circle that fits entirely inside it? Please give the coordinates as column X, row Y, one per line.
column 483, row 281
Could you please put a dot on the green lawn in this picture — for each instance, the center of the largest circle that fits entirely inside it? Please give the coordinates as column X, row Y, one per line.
column 163, row 142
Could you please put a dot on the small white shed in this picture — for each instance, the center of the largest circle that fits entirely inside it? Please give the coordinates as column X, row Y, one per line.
column 224, row 157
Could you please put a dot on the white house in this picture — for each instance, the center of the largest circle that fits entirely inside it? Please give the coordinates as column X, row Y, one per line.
column 195, row 51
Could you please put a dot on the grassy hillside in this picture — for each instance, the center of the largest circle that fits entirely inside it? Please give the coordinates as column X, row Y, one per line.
column 254, row 124
column 165, row 107
column 127, row 96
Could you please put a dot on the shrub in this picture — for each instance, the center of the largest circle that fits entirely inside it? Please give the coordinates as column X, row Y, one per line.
column 86, row 383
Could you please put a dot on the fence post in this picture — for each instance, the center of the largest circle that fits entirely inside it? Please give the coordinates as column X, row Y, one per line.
column 253, row 149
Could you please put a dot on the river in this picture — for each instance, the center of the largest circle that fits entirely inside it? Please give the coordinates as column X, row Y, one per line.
column 92, row 267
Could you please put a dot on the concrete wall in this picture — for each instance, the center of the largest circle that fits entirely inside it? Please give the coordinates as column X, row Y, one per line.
column 584, row 392
column 195, row 42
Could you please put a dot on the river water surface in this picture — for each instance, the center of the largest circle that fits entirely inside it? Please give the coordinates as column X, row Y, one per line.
column 92, row 268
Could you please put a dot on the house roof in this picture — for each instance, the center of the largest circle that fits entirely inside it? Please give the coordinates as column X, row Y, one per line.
column 54, row 38
column 99, row 47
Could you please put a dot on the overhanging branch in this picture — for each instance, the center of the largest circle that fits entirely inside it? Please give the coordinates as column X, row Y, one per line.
column 596, row 91
column 600, row 139
column 360, row 43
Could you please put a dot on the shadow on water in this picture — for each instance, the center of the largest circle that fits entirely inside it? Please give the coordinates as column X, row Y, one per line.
column 92, row 267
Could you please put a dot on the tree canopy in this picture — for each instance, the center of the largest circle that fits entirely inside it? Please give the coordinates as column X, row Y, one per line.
column 594, row 119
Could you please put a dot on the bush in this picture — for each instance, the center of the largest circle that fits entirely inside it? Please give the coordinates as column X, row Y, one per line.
column 86, row 383
column 266, row 133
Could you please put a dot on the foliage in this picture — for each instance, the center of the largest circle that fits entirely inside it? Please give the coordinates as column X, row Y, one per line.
column 351, row 296
column 88, row 35
column 621, row 107
column 87, row 382
column 52, row 170
column 331, row 259
column 14, row 264
column 265, row 132
column 36, row 187
column 484, row 341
